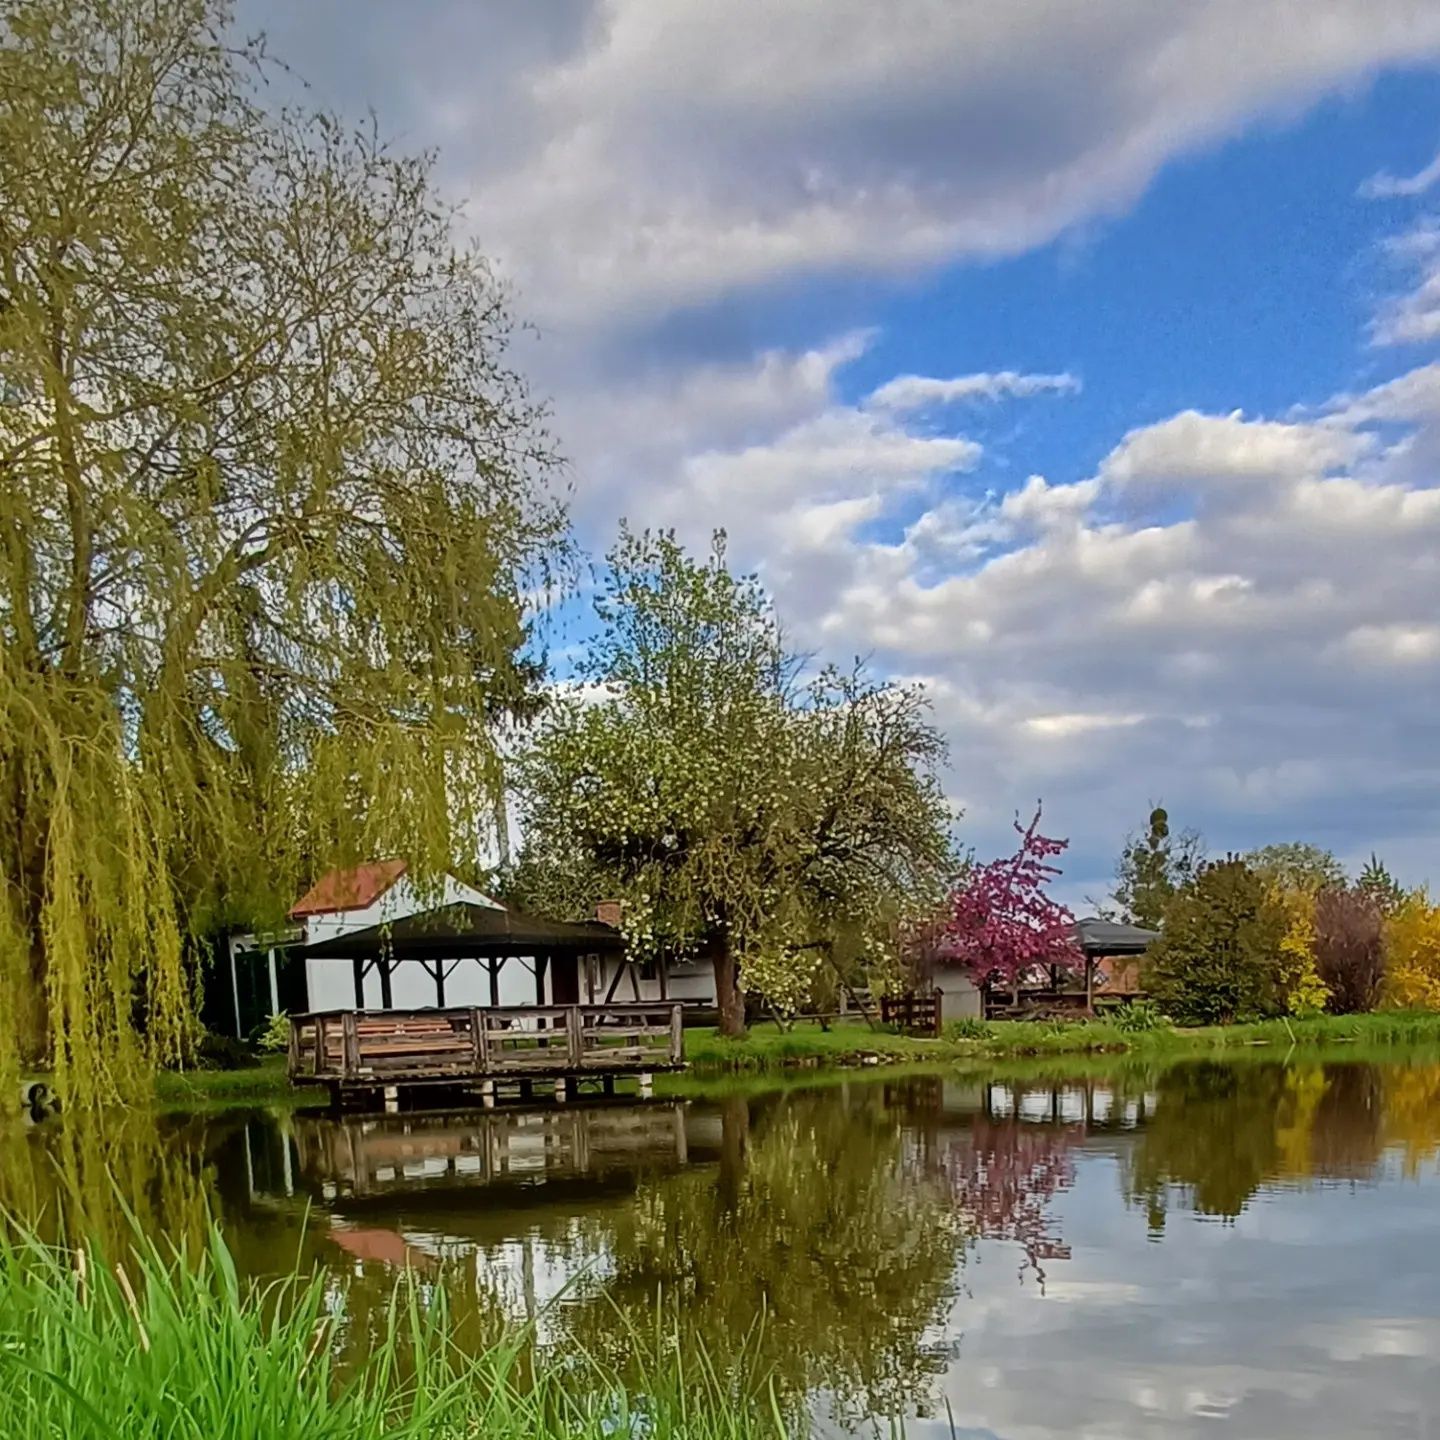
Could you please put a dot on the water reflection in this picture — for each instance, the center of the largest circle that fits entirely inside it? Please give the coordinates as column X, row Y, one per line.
column 861, row 1243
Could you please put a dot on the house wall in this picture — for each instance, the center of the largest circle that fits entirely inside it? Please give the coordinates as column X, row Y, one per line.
column 962, row 999
column 331, row 983
column 693, row 982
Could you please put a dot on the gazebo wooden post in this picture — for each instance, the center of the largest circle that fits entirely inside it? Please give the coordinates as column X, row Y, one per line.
column 1089, row 984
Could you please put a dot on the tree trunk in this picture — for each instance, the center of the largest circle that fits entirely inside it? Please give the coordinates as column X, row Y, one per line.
column 728, row 999
column 734, row 1142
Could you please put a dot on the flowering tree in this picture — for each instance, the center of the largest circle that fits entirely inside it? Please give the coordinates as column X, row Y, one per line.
column 767, row 826
column 1001, row 924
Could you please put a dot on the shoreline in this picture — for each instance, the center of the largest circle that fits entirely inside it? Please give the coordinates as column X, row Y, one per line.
column 807, row 1051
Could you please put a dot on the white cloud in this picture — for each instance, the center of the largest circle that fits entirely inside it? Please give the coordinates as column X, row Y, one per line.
column 1386, row 186
column 911, row 392
column 1267, row 666
column 1232, row 614
column 1413, row 316
column 623, row 160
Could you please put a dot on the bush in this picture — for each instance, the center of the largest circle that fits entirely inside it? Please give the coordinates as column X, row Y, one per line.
column 971, row 1027
column 1412, row 935
column 1137, row 1016
column 1219, row 958
column 273, row 1037
column 224, row 1052
column 1349, row 949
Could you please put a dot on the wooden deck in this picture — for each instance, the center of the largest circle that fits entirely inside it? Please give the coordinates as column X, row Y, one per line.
column 386, row 1050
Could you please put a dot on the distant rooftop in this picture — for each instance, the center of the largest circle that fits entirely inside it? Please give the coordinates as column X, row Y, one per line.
column 354, row 889
column 1111, row 937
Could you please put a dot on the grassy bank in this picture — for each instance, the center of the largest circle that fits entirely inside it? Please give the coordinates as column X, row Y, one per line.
column 262, row 1084
column 93, row 1351
column 768, row 1048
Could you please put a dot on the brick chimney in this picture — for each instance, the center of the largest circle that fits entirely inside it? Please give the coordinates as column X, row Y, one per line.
column 607, row 912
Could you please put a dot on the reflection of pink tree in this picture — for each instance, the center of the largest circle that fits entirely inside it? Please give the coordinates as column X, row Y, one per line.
column 1003, row 1175
column 1000, row 923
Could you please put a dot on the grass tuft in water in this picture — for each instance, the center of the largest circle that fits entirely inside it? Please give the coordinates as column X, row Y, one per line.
column 184, row 1348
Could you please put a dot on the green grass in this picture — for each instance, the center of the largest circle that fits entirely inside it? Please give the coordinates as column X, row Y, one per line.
column 265, row 1083
column 184, row 1348
column 766, row 1047
column 718, row 1063
column 1018, row 1038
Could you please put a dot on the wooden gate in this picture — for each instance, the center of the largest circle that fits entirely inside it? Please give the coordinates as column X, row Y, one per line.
column 913, row 1014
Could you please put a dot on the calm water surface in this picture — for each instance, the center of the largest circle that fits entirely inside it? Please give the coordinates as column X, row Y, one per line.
column 1215, row 1248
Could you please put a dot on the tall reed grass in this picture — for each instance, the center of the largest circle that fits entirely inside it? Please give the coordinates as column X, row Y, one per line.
column 182, row 1347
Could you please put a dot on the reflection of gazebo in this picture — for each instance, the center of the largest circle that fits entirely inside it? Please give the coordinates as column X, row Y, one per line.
column 440, row 939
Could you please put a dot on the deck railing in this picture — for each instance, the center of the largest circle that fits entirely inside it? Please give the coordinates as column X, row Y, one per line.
column 378, row 1047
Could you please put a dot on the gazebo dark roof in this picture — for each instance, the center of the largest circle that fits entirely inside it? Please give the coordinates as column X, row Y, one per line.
column 1109, row 937
column 465, row 931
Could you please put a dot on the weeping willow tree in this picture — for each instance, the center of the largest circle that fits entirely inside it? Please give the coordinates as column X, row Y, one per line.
column 782, row 829
column 270, row 503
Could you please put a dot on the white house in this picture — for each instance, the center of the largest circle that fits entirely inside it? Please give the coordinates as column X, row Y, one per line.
column 272, row 973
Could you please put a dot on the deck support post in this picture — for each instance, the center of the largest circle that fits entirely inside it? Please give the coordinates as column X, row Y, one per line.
column 647, row 1084
column 562, row 1089
column 487, row 1094
column 392, row 1099
column 607, row 1084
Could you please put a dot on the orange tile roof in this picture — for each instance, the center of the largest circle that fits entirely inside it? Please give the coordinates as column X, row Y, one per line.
column 353, row 889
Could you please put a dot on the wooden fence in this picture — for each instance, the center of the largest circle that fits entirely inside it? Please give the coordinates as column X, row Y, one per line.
column 914, row 1014
column 393, row 1047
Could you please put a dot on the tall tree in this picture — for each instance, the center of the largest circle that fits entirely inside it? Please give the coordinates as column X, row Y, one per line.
column 1152, row 867
column 1350, row 949
column 1220, row 956
column 1381, row 886
column 1298, row 865
column 269, row 503
column 768, row 826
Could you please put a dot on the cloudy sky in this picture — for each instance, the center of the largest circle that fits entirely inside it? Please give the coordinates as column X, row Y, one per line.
column 1082, row 360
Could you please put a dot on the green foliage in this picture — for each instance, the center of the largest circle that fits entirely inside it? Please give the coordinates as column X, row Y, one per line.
column 223, row 1052
column 969, row 1027
column 1384, row 890
column 272, row 503
column 1137, row 1016
column 1298, row 865
column 95, row 1347
column 738, row 814
column 1219, row 958
column 273, row 1037
column 1152, row 867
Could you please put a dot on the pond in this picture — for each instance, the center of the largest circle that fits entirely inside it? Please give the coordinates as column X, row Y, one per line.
column 1246, row 1248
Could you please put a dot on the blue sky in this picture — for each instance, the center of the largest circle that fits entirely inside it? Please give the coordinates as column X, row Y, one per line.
column 1069, row 359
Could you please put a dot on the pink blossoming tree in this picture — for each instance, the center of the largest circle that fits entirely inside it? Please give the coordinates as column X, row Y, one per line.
column 1000, row 924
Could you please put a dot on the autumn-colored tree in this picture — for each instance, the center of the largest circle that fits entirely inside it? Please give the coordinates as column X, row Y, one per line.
column 270, row 505
column 1219, row 957
column 1412, row 942
column 1349, row 949
column 1152, row 867
column 766, row 825
column 1001, row 925
column 1301, row 987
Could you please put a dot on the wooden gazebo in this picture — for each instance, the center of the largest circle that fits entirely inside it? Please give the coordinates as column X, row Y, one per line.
column 443, row 938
